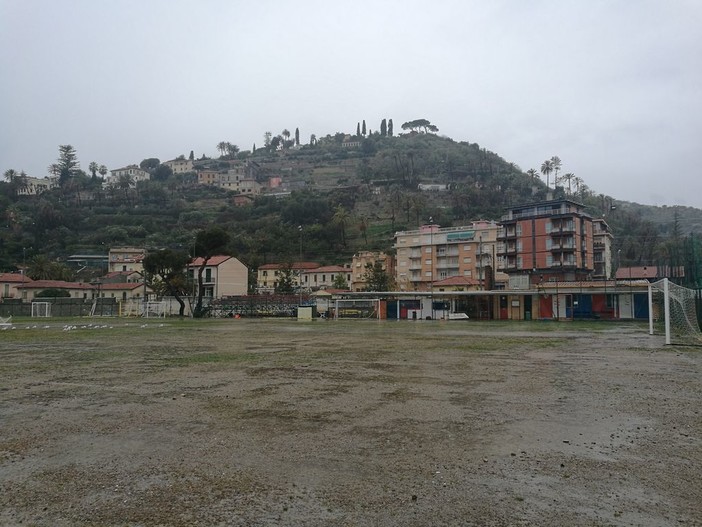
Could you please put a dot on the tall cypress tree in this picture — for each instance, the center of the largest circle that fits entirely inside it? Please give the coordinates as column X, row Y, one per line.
column 383, row 128
column 363, row 130
column 358, row 129
column 390, row 128
column 297, row 137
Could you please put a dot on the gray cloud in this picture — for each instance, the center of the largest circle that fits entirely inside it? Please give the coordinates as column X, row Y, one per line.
column 610, row 87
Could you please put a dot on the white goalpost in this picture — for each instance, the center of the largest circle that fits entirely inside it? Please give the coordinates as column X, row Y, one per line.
column 675, row 306
column 41, row 309
column 154, row 309
column 360, row 308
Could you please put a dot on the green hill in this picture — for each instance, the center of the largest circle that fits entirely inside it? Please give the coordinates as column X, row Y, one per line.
column 345, row 198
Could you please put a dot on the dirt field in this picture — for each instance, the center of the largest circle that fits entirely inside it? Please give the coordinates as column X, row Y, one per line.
column 327, row 423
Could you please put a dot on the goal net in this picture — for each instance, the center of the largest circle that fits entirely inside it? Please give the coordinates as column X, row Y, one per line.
column 154, row 310
column 366, row 308
column 41, row 309
column 673, row 310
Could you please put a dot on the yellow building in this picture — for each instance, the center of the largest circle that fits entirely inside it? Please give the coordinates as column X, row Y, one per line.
column 432, row 253
column 364, row 258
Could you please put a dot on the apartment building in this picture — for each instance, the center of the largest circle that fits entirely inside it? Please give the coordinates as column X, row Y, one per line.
column 359, row 269
column 126, row 259
column 546, row 241
column 268, row 275
column 602, row 249
column 324, row 277
column 432, row 253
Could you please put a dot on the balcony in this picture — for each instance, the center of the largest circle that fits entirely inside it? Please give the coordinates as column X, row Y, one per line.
column 562, row 247
column 447, row 265
column 566, row 230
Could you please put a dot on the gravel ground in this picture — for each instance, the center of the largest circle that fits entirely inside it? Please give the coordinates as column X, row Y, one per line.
column 331, row 423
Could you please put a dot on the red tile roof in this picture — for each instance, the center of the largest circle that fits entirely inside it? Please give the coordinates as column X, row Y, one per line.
column 457, row 280
column 56, row 284
column 15, row 278
column 295, row 266
column 331, row 269
column 214, row 261
column 128, row 286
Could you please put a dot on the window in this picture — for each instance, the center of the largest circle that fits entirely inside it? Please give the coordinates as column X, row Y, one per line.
column 468, row 273
column 427, row 250
column 428, row 274
column 467, row 259
column 466, row 247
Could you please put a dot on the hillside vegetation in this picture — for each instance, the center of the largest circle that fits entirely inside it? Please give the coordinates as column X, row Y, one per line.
column 341, row 200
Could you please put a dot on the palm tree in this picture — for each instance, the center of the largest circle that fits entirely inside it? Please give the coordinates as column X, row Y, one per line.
column 556, row 166
column 10, row 174
column 286, row 134
column 21, row 182
column 93, row 167
column 546, row 169
column 532, row 173
column 102, row 170
column 569, row 178
column 340, row 219
column 222, row 147
column 39, row 268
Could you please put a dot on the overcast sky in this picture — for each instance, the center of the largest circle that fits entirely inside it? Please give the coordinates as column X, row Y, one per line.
column 614, row 88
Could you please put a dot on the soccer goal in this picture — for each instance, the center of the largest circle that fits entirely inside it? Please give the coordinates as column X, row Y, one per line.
column 361, row 308
column 41, row 309
column 154, row 310
column 675, row 307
